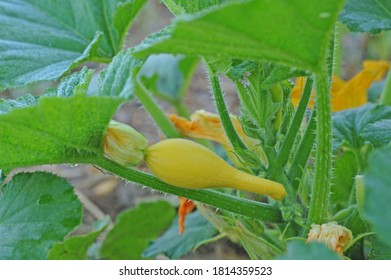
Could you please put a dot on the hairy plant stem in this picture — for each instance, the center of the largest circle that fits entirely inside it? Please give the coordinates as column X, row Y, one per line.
column 386, row 94
column 219, row 200
column 323, row 160
column 156, row 112
column 229, row 129
column 287, row 145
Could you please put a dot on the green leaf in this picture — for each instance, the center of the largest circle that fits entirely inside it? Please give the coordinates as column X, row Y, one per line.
column 281, row 73
column 43, row 39
column 168, row 76
column 379, row 250
column 345, row 169
column 77, row 83
column 118, row 79
column 55, row 130
column 174, row 245
column 76, row 247
column 367, row 15
column 298, row 250
column 37, row 210
column 179, row 7
column 246, row 31
column 7, row 105
column 377, row 196
column 378, row 133
column 354, row 127
column 135, row 228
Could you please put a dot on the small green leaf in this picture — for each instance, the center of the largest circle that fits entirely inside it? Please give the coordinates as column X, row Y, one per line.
column 118, row 79
column 77, row 83
column 246, row 31
column 281, row 73
column 174, row 245
column 43, row 39
column 298, row 250
column 168, row 76
column 135, row 228
column 55, row 130
column 377, row 196
column 352, row 128
column 37, row 210
column 179, row 7
column 76, row 247
column 367, row 15
column 7, row 105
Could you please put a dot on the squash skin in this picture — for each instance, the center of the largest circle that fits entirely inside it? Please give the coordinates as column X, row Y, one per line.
column 187, row 164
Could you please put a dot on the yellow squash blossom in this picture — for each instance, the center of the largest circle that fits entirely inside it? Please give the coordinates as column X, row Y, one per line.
column 186, row 164
column 336, row 237
column 350, row 94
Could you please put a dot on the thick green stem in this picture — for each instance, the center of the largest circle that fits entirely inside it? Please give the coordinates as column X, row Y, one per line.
column 323, row 160
column 219, row 200
column 303, row 152
column 232, row 135
column 386, row 94
column 287, row 145
column 156, row 113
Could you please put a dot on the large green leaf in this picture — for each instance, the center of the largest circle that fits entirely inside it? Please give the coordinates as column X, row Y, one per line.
column 174, row 245
column 379, row 250
column 367, row 15
column 36, row 211
column 55, row 130
column 292, row 32
column 298, row 250
column 355, row 127
column 76, row 247
column 135, row 228
column 377, row 196
column 42, row 39
column 168, row 76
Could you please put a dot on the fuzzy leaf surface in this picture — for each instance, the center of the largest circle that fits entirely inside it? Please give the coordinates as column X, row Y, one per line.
column 368, row 123
column 37, row 210
column 43, row 39
column 55, row 130
column 297, row 36
column 371, row 16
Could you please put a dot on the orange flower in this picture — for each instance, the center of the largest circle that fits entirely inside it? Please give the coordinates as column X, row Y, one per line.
column 206, row 125
column 350, row 94
column 186, row 206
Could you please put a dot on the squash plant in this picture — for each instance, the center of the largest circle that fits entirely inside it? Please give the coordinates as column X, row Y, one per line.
column 318, row 149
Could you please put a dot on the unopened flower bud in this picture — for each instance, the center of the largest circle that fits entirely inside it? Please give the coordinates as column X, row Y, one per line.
column 124, row 145
column 335, row 236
